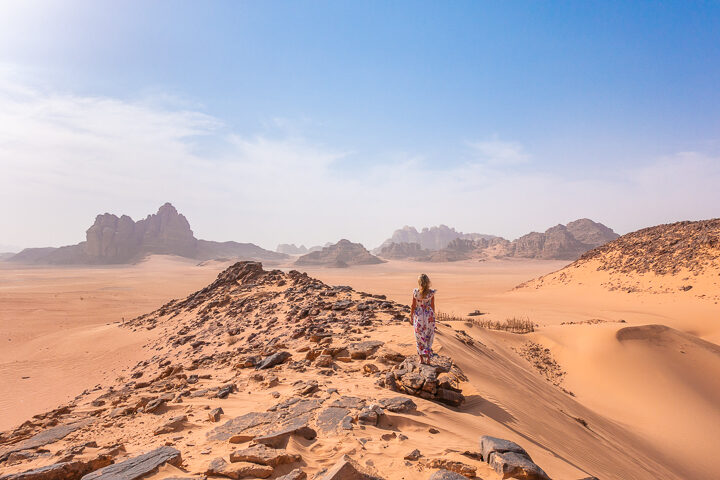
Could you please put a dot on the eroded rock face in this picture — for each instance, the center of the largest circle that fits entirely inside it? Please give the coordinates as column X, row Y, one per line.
column 348, row 469
column 62, row 470
column 264, row 455
column 439, row 381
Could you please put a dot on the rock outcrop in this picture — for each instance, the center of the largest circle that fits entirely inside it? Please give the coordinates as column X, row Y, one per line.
column 291, row 249
column 116, row 240
column 342, row 254
column 509, row 459
column 439, row 381
column 432, row 238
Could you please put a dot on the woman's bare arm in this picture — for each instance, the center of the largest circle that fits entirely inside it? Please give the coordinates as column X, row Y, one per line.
column 432, row 303
column 412, row 309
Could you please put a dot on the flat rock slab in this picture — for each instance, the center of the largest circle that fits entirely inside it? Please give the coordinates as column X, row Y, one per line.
column 61, row 471
column 348, row 469
column 355, row 403
column 398, row 404
column 137, row 467
column 516, row 465
column 264, row 455
column 490, row 445
column 45, row 437
column 219, row 467
column 452, row 465
column 331, row 418
column 239, row 425
column 446, row 475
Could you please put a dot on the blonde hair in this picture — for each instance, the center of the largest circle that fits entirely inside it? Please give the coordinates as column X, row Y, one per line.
column 424, row 284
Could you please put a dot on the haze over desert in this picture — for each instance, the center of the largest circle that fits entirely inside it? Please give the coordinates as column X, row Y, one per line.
column 359, row 241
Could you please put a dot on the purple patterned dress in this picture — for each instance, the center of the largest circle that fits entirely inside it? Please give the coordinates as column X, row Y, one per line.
column 424, row 322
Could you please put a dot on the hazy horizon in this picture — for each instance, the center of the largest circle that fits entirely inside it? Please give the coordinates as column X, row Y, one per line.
column 309, row 122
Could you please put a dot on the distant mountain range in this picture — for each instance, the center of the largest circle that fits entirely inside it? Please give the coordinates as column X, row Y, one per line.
column 292, row 249
column 342, row 254
column 444, row 244
column 117, row 240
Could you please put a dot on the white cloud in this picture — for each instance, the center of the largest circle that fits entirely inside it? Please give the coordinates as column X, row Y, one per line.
column 498, row 152
column 65, row 158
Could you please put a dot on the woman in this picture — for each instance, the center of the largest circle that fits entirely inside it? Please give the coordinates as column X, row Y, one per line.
column 423, row 314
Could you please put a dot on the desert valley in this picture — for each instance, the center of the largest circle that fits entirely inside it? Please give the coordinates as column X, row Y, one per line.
column 144, row 352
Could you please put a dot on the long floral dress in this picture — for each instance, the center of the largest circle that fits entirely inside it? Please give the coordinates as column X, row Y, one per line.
column 424, row 322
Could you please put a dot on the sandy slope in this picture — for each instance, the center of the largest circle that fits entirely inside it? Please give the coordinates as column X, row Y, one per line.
column 54, row 325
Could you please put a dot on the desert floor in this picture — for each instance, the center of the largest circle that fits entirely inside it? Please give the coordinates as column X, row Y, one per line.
column 58, row 332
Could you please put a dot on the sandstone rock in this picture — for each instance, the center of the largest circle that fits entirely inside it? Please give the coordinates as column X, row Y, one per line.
column 370, row 415
column 446, row 475
column 155, row 406
column 174, row 424
column 422, row 380
column 219, row 467
column 324, row 361
column 348, row 469
column 264, row 456
column 137, row 467
column 272, row 360
column 516, row 465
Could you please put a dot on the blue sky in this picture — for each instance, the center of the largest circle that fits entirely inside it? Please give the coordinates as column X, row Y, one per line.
column 497, row 117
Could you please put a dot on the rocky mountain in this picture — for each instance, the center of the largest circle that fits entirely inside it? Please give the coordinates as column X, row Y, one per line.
column 6, row 255
column 432, row 238
column 561, row 242
column 342, row 254
column 116, row 240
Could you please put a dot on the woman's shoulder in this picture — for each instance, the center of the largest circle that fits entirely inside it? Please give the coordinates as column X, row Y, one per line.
column 432, row 292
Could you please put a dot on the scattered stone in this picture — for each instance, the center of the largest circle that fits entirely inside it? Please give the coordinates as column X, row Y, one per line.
column 264, row 456
column 324, row 361
column 43, row 438
column 370, row 415
column 348, row 469
column 237, row 426
column 219, row 467
column 272, row 360
column 225, row 391
column 137, row 467
column 175, row 424
column 214, row 414
column 424, row 381
column 154, row 406
column 414, row 455
column 433, row 430
column 370, row 368
column 490, row 444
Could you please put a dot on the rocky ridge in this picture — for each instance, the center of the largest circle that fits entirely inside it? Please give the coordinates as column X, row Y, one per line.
column 241, row 337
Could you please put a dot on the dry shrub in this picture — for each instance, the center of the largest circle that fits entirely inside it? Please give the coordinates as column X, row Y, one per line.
column 513, row 325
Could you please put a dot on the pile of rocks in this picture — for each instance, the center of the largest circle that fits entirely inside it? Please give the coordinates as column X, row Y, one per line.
column 439, row 381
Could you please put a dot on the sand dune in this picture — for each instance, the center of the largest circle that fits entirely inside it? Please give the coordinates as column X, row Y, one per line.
column 644, row 403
